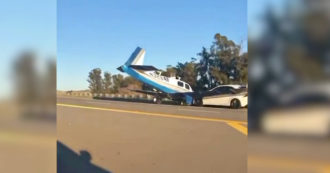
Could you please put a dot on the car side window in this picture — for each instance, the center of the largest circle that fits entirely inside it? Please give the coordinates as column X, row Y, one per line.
column 180, row 84
column 219, row 90
column 229, row 90
column 232, row 90
column 224, row 90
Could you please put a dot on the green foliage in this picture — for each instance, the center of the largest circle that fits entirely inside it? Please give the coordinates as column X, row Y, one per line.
column 107, row 82
column 222, row 64
column 95, row 81
column 170, row 71
column 118, row 82
column 243, row 68
column 219, row 65
column 187, row 72
column 203, row 67
column 226, row 55
column 131, row 81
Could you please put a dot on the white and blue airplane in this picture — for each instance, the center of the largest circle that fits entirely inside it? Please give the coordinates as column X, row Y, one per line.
column 163, row 87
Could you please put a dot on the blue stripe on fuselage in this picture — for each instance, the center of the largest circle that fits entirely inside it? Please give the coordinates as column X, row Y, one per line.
column 143, row 79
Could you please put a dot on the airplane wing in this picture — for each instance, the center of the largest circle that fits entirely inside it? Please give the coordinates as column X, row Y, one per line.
column 146, row 92
column 144, row 67
column 173, row 96
column 153, row 93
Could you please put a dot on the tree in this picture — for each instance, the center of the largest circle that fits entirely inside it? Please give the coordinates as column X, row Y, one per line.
column 170, row 71
column 27, row 79
column 243, row 68
column 221, row 64
column 129, row 80
column 107, row 82
column 95, row 81
column 50, row 82
column 188, row 73
column 227, row 56
column 118, row 82
column 203, row 70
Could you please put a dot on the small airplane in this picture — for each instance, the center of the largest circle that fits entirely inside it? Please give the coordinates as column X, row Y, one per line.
column 163, row 87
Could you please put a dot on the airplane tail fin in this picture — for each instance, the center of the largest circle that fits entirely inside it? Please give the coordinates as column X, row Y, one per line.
column 137, row 57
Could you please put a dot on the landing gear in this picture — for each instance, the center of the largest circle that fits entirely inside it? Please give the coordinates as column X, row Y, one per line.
column 188, row 102
column 180, row 102
column 198, row 102
column 157, row 100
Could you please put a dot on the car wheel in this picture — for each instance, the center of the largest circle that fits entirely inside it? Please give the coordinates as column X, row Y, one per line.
column 235, row 104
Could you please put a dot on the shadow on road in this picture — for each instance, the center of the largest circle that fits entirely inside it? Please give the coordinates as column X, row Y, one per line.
column 70, row 162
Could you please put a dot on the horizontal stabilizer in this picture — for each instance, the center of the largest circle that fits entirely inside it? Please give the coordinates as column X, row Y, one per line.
column 120, row 69
column 144, row 67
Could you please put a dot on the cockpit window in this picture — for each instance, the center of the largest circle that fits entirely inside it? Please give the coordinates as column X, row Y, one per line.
column 187, row 86
column 180, row 84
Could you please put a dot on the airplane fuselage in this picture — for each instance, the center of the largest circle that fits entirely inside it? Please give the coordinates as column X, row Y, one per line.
column 171, row 86
column 165, row 84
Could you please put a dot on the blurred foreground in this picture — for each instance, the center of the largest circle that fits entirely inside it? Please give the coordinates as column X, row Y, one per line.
column 28, row 118
column 289, row 85
column 28, row 84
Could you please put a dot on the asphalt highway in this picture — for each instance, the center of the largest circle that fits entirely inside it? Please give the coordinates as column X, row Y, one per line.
column 117, row 136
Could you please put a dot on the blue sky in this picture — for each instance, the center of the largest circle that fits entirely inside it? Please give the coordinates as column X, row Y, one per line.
column 25, row 25
column 103, row 33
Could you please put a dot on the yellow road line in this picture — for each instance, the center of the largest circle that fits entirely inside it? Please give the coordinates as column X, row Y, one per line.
column 153, row 114
column 238, row 127
column 27, row 139
column 288, row 163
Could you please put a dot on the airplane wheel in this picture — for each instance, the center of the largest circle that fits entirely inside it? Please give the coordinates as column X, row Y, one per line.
column 197, row 102
column 235, row 104
column 178, row 102
column 157, row 100
column 181, row 103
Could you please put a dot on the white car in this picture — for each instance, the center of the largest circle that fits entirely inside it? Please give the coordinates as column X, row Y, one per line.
column 234, row 96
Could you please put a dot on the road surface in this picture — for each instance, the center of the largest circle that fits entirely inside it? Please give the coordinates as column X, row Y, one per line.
column 120, row 137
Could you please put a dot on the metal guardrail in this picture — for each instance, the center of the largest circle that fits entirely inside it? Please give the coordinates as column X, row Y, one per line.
column 107, row 95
